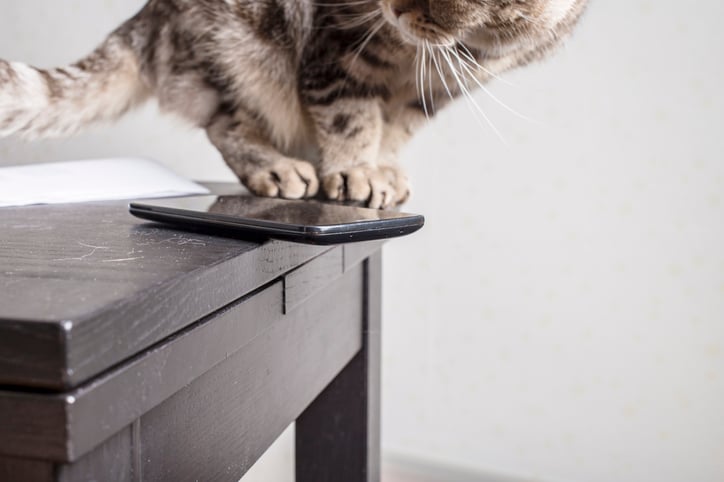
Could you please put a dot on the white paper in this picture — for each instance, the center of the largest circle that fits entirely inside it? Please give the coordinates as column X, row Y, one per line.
column 94, row 180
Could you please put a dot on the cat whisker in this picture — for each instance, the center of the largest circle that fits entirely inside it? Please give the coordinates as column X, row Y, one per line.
column 530, row 20
column 363, row 41
column 471, row 74
column 429, row 77
column 355, row 15
column 541, row 25
column 372, row 31
column 469, row 97
column 358, row 20
column 349, row 20
column 422, row 82
column 417, row 70
column 470, row 57
column 440, row 73
column 341, row 4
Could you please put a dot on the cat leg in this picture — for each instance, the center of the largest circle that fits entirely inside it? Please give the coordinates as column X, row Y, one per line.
column 394, row 137
column 349, row 132
column 397, row 131
column 259, row 165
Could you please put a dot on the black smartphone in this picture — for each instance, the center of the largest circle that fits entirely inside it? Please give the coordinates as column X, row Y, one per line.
column 252, row 217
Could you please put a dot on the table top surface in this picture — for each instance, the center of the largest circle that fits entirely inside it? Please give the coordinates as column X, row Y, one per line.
column 85, row 286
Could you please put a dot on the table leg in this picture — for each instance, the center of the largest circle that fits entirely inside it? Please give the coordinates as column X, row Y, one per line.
column 338, row 435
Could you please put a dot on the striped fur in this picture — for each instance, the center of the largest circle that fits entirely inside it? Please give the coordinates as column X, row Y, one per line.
column 59, row 102
column 300, row 96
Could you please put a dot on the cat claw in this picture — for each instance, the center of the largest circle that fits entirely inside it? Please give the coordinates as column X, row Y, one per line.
column 288, row 179
column 379, row 187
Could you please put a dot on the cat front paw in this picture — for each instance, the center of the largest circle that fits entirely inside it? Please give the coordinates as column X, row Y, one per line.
column 379, row 187
column 285, row 178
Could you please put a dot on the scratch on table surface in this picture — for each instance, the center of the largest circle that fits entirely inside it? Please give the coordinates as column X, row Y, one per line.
column 87, row 255
column 121, row 260
column 181, row 241
column 176, row 239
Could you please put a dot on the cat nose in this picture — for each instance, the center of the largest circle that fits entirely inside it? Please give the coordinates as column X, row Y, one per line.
column 397, row 11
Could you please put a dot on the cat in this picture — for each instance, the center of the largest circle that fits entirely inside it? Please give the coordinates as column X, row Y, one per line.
column 300, row 96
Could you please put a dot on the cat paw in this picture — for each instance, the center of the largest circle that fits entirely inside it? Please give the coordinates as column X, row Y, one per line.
column 379, row 187
column 286, row 178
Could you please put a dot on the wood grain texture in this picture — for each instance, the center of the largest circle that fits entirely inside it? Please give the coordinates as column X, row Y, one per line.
column 186, row 359
column 151, row 378
column 65, row 427
column 217, row 427
column 308, row 279
column 338, row 435
column 13, row 469
column 34, row 425
column 213, row 398
column 112, row 461
column 83, row 287
column 31, row 353
column 356, row 253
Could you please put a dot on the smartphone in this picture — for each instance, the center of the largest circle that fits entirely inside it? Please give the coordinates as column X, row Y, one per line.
column 303, row 221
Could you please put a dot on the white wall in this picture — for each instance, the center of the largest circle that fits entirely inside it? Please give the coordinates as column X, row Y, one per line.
column 560, row 317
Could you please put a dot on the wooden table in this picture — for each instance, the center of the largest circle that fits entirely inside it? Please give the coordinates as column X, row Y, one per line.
column 134, row 352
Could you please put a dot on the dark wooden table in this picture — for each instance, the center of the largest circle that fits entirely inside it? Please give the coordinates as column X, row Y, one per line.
column 134, row 352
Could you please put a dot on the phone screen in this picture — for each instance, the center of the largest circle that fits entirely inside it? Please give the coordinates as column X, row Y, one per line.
column 280, row 215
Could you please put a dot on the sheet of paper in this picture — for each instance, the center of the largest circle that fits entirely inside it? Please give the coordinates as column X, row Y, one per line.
column 94, row 180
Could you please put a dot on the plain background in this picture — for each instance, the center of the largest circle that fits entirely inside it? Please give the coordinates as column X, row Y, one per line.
column 561, row 317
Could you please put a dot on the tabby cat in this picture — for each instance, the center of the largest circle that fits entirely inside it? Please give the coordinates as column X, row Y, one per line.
column 299, row 96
